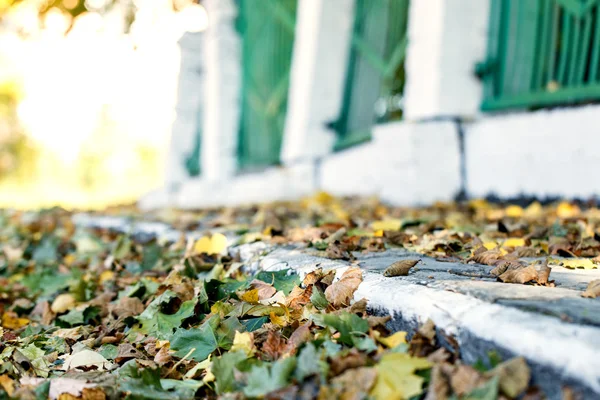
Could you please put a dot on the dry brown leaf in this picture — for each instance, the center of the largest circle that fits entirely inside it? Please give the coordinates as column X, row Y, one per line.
column 521, row 275
column 127, row 352
column 513, row 376
column 163, row 357
column 274, row 346
column 439, row 388
column 593, row 289
column 489, row 257
column 543, row 272
column 400, row 268
column 264, row 290
column 128, row 307
column 336, row 252
column 301, row 335
column 352, row 359
column 340, row 293
column 354, row 384
column 505, row 265
column 299, row 297
column 464, row 379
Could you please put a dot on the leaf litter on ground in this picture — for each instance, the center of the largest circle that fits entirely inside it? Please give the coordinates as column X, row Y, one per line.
column 97, row 314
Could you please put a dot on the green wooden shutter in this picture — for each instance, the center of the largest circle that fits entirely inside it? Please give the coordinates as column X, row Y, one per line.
column 375, row 68
column 267, row 29
column 541, row 53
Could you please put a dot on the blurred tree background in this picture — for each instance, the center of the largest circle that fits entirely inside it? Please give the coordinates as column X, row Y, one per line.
column 87, row 92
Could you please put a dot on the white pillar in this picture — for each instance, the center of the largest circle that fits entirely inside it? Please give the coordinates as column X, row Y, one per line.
column 188, row 109
column 320, row 58
column 222, row 91
column 446, row 38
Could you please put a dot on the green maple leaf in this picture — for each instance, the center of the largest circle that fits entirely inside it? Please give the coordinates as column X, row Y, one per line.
column 200, row 342
column 280, row 280
column 267, row 378
column 223, row 369
column 159, row 325
column 348, row 325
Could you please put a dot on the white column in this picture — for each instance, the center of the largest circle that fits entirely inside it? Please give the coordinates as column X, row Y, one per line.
column 446, row 39
column 222, row 91
column 188, row 109
column 320, row 58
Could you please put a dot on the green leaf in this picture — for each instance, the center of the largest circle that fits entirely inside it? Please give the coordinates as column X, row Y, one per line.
column 487, row 391
column 42, row 391
column 159, row 325
column 122, row 247
column 150, row 256
column 318, row 298
column 253, row 324
column 309, row 363
column 201, row 342
column 347, row 324
column 282, row 280
column 109, row 351
column 267, row 378
column 226, row 332
column 45, row 252
column 80, row 316
column 36, row 357
column 143, row 384
column 223, row 369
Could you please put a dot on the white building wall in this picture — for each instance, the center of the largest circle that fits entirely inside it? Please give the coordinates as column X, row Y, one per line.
column 543, row 153
column 321, row 51
column 446, row 39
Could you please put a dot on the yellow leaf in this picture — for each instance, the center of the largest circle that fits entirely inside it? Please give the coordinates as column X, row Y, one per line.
column 251, row 296
column 69, row 259
column 7, row 384
column 534, row 210
column 514, row 242
column 11, row 320
column 514, row 211
column 396, row 379
column 245, row 342
column 479, row 204
column 394, row 340
column 575, row 263
column 490, row 245
column 216, row 244
column 378, row 233
column 107, row 275
column 62, row 303
column 387, row 225
column 567, row 210
column 279, row 320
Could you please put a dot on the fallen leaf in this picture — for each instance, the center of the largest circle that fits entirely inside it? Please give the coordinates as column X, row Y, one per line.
column 464, row 379
column 543, row 272
column 514, row 242
column 86, row 358
column 577, row 263
column 11, row 320
column 264, row 290
column 354, row 384
column 163, row 356
column 395, row 377
column 63, row 303
column 393, row 340
column 244, row 342
column 60, row 386
column 513, row 376
column 521, row 275
column 400, row 268
column 274, row 346
column 215, row 244
column 7, row 384
column 340, row 293
column 593, row 289
column 439, row 388
column 489, row 257
column 386, row 225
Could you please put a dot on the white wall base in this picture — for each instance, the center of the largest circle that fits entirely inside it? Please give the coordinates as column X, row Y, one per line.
column 405, row 163
column 542, row 153
column 272, row 184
